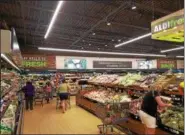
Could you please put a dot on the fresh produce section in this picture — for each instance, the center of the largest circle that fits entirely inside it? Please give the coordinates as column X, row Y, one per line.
column 122, row 88
column 173, row 118
column 104, row 96
column 10, row 102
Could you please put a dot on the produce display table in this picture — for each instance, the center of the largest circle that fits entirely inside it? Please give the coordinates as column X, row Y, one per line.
column 135, row 126
column 138, row 128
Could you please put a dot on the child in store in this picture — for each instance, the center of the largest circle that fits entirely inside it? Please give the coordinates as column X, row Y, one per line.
column 48, row 91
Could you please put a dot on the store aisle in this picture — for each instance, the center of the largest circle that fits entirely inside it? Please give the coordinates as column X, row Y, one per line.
column 48, row 120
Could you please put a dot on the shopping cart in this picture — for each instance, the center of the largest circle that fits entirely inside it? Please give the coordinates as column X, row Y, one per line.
column 39, row 96
column 58, row 101
column 112, row 114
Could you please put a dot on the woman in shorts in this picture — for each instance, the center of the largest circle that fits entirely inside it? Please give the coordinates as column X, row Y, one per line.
column 63, row 91
column 148, row 111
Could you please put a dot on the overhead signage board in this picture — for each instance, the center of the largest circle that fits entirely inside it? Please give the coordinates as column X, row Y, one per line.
column 75, row 63
column 167, row 63
column 39, row 62
column 112, row 64
column 169, row 28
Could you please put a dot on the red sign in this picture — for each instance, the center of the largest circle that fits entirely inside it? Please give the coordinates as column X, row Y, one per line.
column 167, row 63
column 39, row 61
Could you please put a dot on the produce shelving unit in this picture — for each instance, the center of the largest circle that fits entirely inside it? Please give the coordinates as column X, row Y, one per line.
column 5, row 109
column 134, row 123
column 7, row 100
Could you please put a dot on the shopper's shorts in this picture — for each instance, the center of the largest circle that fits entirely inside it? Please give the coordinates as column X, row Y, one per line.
column 147, row 119
column 63, row 96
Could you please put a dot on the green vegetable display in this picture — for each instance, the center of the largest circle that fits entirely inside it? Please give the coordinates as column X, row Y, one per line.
column 173, row 117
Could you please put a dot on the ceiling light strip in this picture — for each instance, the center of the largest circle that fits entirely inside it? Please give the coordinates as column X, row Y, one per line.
column 100, row 52
column 53, row 18
column 133, row 40
column 9, row 61
column 173, row 49
column 179, row 56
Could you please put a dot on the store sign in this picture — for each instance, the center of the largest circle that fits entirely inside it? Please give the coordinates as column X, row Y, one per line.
column 167, row 63
column 75, row 63
column 34, row 61
column 169, row 28
column 180, row 64
column 112, row 64
column 146, row 64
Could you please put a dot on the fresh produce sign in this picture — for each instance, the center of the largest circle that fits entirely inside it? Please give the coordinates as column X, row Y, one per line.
column 34, row 61
column 169, row 28
column 166, row 63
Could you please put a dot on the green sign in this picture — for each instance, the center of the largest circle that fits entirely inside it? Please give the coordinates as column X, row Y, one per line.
column 34, row 64
column 169, row 28
column 168, row 66
column 30, row 61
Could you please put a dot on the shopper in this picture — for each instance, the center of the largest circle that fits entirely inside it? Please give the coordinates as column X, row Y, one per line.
column 148, row 111
column 63, row 91
column 29, row 91
column 48, row 91
column 52, row 88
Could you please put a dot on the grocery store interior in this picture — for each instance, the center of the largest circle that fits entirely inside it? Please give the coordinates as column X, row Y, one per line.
column 92, row 67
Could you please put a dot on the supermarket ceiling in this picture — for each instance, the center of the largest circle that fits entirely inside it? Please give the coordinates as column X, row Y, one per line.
column 88, row 25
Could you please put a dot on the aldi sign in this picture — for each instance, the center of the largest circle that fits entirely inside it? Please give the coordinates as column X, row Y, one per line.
column 169, row 28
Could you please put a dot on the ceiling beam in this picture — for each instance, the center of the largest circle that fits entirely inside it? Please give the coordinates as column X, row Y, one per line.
column 67, row 27
column 76, row 15
column 122, row 6
column 23, row 19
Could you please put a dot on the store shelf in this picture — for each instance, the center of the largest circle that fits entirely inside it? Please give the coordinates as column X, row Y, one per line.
column 4, row 110
column 19, row 123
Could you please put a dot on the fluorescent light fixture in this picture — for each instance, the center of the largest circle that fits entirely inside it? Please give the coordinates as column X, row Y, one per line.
column 133, row 7
column 15, row 46
column 94, row 34
column 173, row 49
column 108, row 23
column 133, row 40
column 9, row 61
column 179, row 56
column 53, row 18
column 100, row 52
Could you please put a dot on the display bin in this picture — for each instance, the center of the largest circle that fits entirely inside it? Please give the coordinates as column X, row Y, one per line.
column 167, row 128
column 78, row 99
column 93, row 106
column 87, row 103
column 171, row 130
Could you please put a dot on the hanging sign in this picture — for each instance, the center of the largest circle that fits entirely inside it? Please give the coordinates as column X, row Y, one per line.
column 169, row 28
column 39, row 61
column 167, row 63
column 74, row 63
column 112, row 64
column 180, row 64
